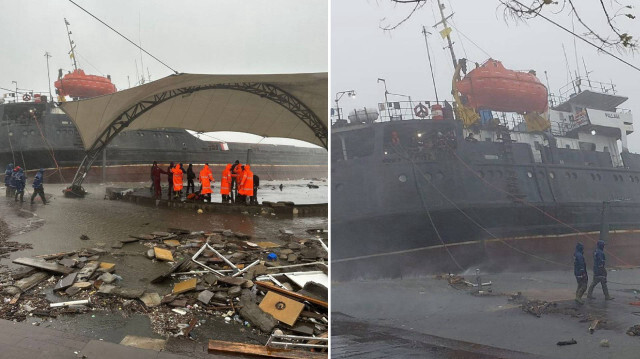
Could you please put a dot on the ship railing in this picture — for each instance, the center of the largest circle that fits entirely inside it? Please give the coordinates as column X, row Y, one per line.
column 580, row 84
column 412, row 110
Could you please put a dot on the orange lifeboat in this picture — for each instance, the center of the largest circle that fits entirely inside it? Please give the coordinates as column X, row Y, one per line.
column 493, row 87
column 77, row 84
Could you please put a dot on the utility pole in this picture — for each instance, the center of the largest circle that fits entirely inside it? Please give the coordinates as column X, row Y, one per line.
column 46, row 54
column 426, row 42
column 444, row 23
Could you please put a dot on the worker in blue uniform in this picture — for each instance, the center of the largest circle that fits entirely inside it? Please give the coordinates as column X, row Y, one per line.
column 599, row 272
column 38, row 186
column 580, row 271
column 20, row 182
column 7, row 180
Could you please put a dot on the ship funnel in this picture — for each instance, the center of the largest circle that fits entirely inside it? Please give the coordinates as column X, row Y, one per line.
column 365, row 115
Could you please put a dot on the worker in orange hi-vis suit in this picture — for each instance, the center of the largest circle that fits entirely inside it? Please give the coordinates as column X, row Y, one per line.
column 177, row 179
column 206, row 178
column 242, row 178
column 225, row 183
column 247, row 183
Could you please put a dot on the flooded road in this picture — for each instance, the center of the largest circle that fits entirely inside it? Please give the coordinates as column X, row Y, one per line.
column 57, row 227
column 427, row 306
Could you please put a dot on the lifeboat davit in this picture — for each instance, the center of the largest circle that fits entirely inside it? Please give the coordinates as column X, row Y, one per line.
column 77, row 84
column 493, row 87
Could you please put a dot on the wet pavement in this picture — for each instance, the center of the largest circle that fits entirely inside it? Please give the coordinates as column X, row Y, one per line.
column 429, row 305
column 58, row 227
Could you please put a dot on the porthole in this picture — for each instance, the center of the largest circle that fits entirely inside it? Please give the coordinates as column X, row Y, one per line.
column 427, row 175
column 481, row 174
column 552, row 175
column 32, row 132
column 24, row 133
column 439, row 176
column 402, row 178
column 593, row 177
column 529, row 174
column 10, row 133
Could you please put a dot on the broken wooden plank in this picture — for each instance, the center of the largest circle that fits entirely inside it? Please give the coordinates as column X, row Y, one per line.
column 259, row 350
column 267, row 244
column 187, row 285
column 163, row 254
column 41, row 264
column 289, row 293
column 55, row 255
column 282, row 308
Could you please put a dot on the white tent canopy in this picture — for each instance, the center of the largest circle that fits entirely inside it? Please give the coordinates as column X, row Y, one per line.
column 210, row 109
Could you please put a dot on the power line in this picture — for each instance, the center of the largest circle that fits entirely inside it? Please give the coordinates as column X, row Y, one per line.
column 124, row 37
column 580, row 37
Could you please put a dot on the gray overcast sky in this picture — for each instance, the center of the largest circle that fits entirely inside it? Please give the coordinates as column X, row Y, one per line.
column 211, row 37
column 361, row 52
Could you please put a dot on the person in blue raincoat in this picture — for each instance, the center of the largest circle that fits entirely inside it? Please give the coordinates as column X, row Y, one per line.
column 599, row 272
column 7, row 179
column 580, row 271
column 19, row 182
column 38, row 186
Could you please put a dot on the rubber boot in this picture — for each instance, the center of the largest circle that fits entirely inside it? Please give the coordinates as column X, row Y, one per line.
column 605, row 289
column 590, row 291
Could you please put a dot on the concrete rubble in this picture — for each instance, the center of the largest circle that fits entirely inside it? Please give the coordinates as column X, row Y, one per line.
column 217, row 286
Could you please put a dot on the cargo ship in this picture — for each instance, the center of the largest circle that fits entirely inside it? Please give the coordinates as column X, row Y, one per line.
column 35, row 133
column 502, row 160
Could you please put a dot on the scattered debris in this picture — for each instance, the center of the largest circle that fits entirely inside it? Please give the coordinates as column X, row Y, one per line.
column 258, row 350
column 604, row 343
column 567, row 342
column 594, row 326
column 634, row 331
column 209, row 275
column 84, row 237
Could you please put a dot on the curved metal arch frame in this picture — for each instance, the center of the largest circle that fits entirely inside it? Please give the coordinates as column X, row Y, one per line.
column 265, row 90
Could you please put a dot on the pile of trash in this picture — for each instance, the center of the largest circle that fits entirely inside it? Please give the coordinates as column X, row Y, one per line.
column 277, row 290
column 634, row 331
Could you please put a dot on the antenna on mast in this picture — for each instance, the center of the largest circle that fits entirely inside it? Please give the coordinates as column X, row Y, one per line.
column 72, row 53
column 426, row 42
column 446, row 32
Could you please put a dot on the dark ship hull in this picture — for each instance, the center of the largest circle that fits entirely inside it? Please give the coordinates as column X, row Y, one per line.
column 38, row 135
column 394, row 204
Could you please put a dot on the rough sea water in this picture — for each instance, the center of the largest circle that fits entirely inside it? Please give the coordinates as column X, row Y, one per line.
column 58, row 227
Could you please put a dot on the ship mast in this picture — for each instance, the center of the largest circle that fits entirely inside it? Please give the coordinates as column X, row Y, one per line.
column 71, row 45
column 447, row 32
